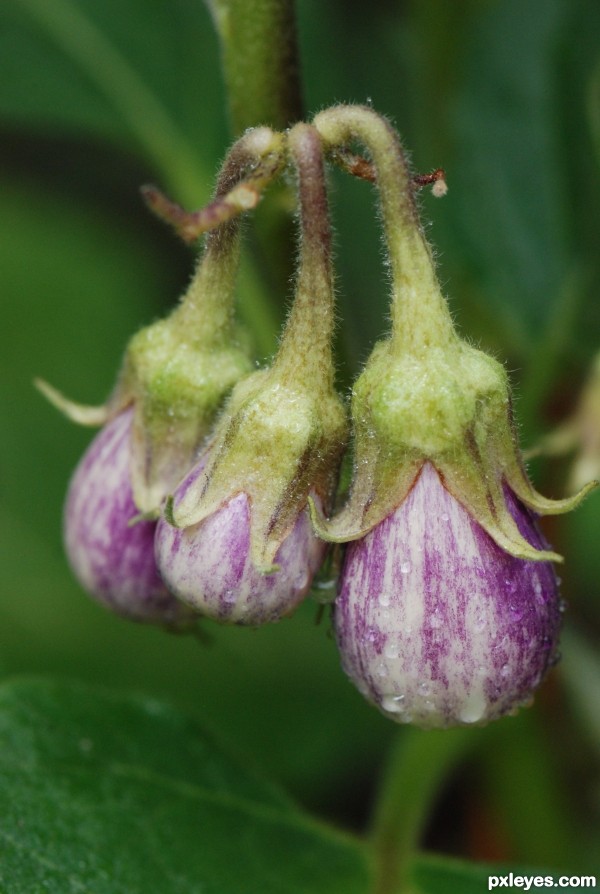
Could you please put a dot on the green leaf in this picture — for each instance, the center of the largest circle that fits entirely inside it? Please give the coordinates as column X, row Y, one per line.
column 143, row 74
column 518, row 162
column 581, row 673
column 510, row 188
column 104, row 794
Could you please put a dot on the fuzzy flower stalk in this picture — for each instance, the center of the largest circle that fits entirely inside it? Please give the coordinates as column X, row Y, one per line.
column 448, row 607
column 175, row 377
column 236, row 542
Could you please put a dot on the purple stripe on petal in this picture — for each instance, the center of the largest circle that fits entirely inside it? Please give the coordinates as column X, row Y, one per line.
column 436, row 624
column 209, row 566
column 113, row 561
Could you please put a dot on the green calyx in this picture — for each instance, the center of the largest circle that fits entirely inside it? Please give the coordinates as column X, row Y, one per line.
column 278, row 442
column 178, row 386
column 450, row 408
column 283, row 430
column 425, row 395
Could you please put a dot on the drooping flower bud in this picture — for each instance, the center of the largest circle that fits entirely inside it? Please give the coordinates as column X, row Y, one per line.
column 175, row 377
column 113, row 559
column 436, row 623
column 237, row 542
column 434, row 436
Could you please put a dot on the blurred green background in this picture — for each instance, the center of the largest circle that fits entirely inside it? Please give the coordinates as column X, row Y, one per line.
column 97, row 98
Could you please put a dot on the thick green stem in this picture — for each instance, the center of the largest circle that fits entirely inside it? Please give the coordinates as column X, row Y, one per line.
column 260, row 61
column 420, row 316
column 419, row 764
column 307, row 337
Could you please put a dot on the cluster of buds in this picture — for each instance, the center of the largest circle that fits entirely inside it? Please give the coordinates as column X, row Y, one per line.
column 210, row 491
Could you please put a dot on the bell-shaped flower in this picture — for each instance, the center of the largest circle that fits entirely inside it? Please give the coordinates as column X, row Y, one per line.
column 436, row 623
column 434, row 439
column 236, row 542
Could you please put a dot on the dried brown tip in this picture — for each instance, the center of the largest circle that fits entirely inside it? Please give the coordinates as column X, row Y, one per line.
column 190, row 225
column 361, row 167
column 437, row 181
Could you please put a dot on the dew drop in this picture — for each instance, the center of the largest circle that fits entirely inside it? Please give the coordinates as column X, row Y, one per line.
column 423, row 688
column 391, row 650
column 563, row 606
column 445, row 517
column 405, row 568
column 505, row 671
column 516, row 611
column 381, row 669
column 393, row 703
column 384, row 599
column 473, row 709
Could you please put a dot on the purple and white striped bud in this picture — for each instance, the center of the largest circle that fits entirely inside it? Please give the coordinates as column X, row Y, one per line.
column 448, row 609
column 113, row 559
column 236, row 542
column 436, row 624
column 209, row 565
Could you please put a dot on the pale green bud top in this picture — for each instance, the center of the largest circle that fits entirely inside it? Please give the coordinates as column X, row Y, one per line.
column 425, row 395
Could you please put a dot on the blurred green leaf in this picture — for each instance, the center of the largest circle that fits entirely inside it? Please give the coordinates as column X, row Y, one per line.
column 141, row 74
column 510, row 163
column 517, row 121
column 581, row 673
column 101, row 793
column 526, row 788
